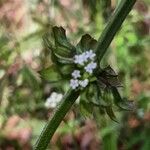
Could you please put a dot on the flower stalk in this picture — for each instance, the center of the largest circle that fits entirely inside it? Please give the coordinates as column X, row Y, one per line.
column 50, row 128
column 68, row 100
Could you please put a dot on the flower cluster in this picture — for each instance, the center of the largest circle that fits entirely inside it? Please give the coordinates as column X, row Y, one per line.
column 53, row 100
column 87, row 65
column 84, row 57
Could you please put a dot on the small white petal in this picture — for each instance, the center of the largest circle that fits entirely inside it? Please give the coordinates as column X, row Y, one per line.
column 85, row 57
column 74, row 83
column 78, row 59
column 90, row 54
column 90, row 67
column 81, row 59
column 76, row 74
column 93, row 65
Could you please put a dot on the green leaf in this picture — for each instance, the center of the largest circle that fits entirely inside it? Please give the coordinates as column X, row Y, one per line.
column 110, row 72
column 117, row 97
column 114, row 81
column 101, row 99
column 108, row 77
column 86, row 43
column 63, row 47
column 110, row 113
column 127, row 104
column 112, row 77
column 106, row 97
column 122, row 102
column 50, row 74
column 66, row 70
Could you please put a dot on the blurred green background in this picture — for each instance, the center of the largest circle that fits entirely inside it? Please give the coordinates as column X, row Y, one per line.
column 27, row 101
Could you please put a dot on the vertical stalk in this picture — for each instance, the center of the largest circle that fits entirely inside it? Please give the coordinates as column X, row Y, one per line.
column 50, row 128
column 113, row 26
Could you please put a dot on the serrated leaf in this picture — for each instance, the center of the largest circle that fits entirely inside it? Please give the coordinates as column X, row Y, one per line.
column 127, row 104
column 122, row 102
column 63, row 60
column 59, row 45
column 100, row 98
column 108, row 77
column 63, row 47
column 60, row 37
column 106, row 98
column 109, row 71
column 110, row 113
column 114, row 81
column 86, row 43
column 116, row 94
column 50, row 74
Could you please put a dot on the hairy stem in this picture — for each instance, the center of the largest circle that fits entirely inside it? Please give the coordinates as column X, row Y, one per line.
column 113, row 26
column 50, row 128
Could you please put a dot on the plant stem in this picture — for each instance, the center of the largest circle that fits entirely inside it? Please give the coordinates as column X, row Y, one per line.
column 113, row 26
column 50, row 128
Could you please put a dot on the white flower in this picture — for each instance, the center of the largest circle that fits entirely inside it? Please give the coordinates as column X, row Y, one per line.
column 90, row 67
column 90, row 54
column 80, row 59
column 74, row 83
column 53, row 100
column 76, row 74
column 84, row 83
column 85, row 56
column 86, row 60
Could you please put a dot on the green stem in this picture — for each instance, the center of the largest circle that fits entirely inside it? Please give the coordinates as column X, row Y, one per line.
column 50, row 128
column 113, row 26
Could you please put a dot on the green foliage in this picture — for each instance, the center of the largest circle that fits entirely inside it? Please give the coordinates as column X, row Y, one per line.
column 107, row 80
column 62, row 50
column 86, row 42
